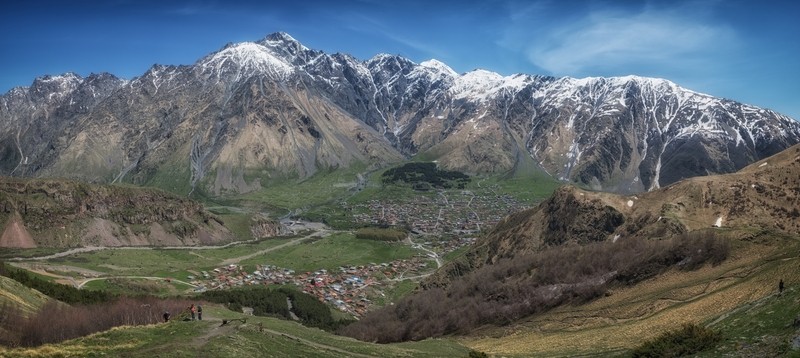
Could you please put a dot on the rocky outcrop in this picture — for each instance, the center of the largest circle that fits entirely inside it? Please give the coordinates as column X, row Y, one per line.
column 262, row 227
column 60, row 213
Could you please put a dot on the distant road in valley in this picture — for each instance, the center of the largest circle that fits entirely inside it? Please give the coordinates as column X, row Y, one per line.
column 321, row 230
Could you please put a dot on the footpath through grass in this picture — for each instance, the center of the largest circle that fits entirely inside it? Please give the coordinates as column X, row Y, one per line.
column 764, row 327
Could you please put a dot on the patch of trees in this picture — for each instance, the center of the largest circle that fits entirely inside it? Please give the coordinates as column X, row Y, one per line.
column 381, row 234
column 270, row 302
column 681, row 342
column 264, row 301
column 423, row 176
column 56, row 322
column 63, row 293
column 312, row 312
column 513, row 288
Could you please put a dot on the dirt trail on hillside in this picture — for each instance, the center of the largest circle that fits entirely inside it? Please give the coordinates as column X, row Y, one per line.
column 218, row 329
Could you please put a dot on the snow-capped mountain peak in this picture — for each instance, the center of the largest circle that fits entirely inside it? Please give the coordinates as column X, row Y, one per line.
column 282, row 39
column 247, row 58
column 627, row 133
column 439, row 66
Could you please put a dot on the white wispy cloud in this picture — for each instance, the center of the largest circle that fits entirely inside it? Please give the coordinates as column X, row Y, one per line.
column 614, row 40
column 371, row 25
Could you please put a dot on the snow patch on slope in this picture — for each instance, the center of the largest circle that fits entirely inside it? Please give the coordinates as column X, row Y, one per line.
column 482, row 85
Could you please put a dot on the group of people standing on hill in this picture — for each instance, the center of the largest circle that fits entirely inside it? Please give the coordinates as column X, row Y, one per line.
column 194, row 311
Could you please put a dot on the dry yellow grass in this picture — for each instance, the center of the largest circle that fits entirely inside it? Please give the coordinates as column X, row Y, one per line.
column 632, row 315
column 14, row 293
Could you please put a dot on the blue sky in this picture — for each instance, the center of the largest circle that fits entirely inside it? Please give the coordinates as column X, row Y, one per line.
column 743, row 50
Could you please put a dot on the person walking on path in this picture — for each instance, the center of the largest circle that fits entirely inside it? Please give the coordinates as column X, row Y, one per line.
column 199, row 313
column 780, row 287
column 192, row 309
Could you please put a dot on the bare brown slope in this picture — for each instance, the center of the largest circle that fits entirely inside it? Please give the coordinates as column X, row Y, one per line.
column 15, row 235
column 763, row 195
column 62, row 213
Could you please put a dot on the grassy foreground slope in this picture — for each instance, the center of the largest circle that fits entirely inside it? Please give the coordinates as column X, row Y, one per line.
column 209, row 338
column 14, row 293
column 723, row 297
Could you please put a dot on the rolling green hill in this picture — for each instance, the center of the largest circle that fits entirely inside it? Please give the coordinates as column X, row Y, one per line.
column 247, row 336
column 12, row 293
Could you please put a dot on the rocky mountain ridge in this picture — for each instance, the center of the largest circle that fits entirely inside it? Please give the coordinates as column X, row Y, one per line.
column 256, row 111
column 61, row 213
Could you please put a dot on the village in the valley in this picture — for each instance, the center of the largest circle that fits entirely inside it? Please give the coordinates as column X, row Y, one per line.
column 439, row 225
column 463, row 213
column 350, row 289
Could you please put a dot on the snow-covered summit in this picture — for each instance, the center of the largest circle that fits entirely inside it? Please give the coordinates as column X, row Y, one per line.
column 247, row 58
column 439, row 66
column 282, row 39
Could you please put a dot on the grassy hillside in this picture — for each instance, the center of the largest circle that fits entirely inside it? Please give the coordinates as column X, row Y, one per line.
column 254, row 338
column 737, row 298
column 760, row 328
column 12, row 293
column 726, row 297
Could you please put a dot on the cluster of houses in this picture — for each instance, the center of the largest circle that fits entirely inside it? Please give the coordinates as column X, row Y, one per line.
column 462, row 213
column 350, row 289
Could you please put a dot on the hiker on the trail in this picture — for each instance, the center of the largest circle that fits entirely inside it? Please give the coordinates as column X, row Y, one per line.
column 166, row 316
column 193, row 310
column 780, row 287
column 199, row 312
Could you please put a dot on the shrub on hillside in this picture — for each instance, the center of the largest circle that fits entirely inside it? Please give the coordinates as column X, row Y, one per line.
column 425, row 175
column 312, row 312
column 264, row 301
column 477, row 354
column 269, row 302
column 684, row 341
column 517, row 287
column 56, row 322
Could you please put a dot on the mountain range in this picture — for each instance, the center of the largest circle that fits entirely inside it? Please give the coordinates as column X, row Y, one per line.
column 253, row 112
